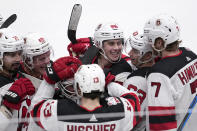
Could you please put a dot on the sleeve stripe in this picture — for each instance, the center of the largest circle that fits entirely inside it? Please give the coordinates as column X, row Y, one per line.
column 162, row 118
column 35, row 113
column 132, row 98
column 161, row 108
column 164, row 126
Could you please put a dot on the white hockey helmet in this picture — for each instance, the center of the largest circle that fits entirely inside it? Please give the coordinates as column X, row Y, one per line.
column 67, row 89
column 137, row 42
column 35, row 44
column 162, row 26
column 9, row 43
column 107, row 31
column 89, row 78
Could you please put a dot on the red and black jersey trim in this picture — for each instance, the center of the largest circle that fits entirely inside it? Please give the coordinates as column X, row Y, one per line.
column 35, row 113
column 170, row 65
column 125, row 57
column 162, row 118
column 131, row 97
column 121, row 66
column 4, row 80
column 104, row 113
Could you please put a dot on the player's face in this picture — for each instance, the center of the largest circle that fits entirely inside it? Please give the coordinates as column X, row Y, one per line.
column 11, row 61
column 158, row 46
column 113, row 49
column 134, row 55
column 40, row 62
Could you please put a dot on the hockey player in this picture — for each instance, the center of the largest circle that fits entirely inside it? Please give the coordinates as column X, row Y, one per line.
column 10, row 57
column 36, row 53
column 141, row 55
column 106, row 50
column 172, row 80
column 114, row 113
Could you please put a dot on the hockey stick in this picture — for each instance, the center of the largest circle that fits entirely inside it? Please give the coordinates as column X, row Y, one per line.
column 189, row 112
column 72, row 28
column 8, row 21
column 73, row 23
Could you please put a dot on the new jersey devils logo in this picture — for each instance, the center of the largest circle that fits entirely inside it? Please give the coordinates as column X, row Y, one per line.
column 96, row 80
column 114, row 27
column 42, row 40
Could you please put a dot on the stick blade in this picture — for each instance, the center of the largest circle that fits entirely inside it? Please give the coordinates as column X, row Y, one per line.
column 9, row 21
column 73, row 23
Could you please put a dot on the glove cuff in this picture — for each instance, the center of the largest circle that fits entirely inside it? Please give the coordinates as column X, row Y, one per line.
column 51, row 77
column 12, row 105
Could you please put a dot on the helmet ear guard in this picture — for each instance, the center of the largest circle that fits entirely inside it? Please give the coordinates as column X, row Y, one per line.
column 162, row 26
column 89, row 79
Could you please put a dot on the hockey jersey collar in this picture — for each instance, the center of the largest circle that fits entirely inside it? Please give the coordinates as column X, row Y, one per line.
column 180, row 52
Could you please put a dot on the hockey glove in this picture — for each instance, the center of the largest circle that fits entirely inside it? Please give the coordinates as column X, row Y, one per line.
column 80, row 47
column 17, row 92
column 108, row 76
column 62, row 69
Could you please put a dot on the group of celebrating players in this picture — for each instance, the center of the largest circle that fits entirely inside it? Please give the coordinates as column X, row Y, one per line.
column 97, row 87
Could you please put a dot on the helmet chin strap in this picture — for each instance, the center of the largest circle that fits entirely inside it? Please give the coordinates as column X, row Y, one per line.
column 143, row 62
column 104, row 55
column 30, row 67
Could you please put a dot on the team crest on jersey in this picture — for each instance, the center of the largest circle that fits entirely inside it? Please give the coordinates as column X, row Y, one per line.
column 112, row 101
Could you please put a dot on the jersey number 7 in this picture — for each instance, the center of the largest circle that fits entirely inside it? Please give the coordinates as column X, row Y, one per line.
column 157, row 85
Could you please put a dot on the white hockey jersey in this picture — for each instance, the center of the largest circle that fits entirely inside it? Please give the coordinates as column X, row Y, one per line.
column 172, row 84
column 136, row 82
column 20, row 117
column 114, row 114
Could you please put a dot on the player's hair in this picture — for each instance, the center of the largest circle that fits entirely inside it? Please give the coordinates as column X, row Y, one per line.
column 173, row 46
column 93, row 95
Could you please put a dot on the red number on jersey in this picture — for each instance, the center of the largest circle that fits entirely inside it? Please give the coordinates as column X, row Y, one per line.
column 193, row 86
column 47, row 110
column 158, row 85
column 142, row 94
